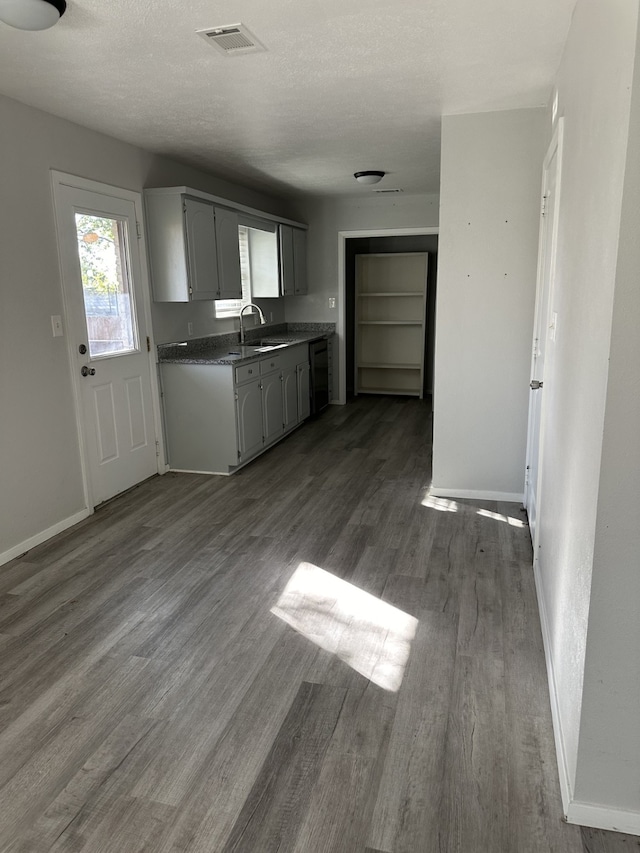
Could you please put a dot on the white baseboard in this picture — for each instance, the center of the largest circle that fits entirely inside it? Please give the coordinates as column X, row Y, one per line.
column 603, row 817
column 39, row 538
column 566, row 788
column 473, row 495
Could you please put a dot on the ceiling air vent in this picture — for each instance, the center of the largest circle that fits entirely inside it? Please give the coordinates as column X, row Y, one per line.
column 232, row 40
column 388, row 191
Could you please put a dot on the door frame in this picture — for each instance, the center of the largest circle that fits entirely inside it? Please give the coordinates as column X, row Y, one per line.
column 555, row 148
column 343, row 236
column 58, row 180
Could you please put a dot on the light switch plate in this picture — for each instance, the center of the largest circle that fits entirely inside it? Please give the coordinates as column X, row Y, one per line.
column 332, row 302
column 56, row 325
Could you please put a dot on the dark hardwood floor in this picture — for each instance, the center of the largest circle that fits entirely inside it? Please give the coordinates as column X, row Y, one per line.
column 308, row 656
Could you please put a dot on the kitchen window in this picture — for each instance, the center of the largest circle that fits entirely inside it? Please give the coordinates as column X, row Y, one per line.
column 258, row 241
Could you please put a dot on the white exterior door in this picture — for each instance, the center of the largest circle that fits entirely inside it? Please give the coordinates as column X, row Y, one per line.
column 544, row 326
column 106, row 326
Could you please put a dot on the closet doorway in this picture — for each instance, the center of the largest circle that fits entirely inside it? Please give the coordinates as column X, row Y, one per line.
column 401, row 241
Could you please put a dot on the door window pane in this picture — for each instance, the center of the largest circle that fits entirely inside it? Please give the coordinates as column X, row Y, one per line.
column 108, row 300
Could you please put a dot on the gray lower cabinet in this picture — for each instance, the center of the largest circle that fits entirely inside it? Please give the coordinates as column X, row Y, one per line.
column 249, row 419
column 218, row 417
column 290, row 397
column 272, row 420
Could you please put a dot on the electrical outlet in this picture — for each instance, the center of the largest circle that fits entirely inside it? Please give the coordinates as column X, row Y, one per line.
column 189, row 328
column 332, row 302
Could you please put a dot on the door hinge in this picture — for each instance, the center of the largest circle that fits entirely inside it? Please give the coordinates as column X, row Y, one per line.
column 148, row 344
column 157, row 448
column 139, row 230
column 239, row 455
column 544, row 205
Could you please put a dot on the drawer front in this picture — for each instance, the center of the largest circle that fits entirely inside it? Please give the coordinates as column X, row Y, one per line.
column 245, row 372
column 268, row 365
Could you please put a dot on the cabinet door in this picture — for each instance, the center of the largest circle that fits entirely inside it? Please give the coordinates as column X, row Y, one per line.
column 249, row 419
column 304, row 392
column 290, row 397
column 201, row 248
column 230, row 282
column 299, row 261
column 272, row 407
column 287, row 271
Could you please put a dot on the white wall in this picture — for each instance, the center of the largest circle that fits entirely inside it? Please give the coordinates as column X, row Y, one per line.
column 326, row 218
column 594, row 84
column 608, row 761
column 40, row 480
column 489, row 213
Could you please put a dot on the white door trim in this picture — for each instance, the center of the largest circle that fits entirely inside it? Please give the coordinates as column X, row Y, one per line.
column 58, row 180
column 555, row 148
column 343, row 236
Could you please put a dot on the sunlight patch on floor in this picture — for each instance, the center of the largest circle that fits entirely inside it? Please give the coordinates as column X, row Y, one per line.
column 372, row 637
column 441, row 504
column 508, row 519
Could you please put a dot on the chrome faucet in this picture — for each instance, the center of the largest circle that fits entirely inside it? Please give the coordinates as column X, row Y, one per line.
column 244, row 308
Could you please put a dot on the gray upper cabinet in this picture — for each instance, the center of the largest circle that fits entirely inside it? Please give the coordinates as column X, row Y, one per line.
column 199, row 224
column 193, row 249
column 228, row 250
column 286, row 261
column 293, row 260
column 299, row 261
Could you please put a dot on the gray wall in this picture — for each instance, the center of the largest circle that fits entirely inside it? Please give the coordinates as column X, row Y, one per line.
column 39, row 452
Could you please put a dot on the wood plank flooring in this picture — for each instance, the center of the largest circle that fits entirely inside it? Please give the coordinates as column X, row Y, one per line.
column 310, row 656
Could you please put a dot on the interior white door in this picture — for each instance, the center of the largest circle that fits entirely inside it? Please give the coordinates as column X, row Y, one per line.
column 544, row 325
column 108, row 338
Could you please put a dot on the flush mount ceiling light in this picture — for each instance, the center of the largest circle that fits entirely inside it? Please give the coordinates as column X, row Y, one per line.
column 368, row 177
column 31, row 14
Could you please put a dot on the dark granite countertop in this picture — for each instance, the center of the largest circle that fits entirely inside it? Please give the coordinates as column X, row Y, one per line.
column 226, row 349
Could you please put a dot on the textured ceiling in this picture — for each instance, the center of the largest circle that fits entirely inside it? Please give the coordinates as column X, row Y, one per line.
column 344, row 84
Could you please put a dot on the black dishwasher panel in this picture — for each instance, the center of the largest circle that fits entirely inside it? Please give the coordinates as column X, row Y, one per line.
column 319, row 361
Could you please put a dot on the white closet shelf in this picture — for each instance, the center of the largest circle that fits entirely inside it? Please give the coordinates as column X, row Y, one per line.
column 390, row 312
column 392, row 293
column 404, row 392
column 368, row 365
column 388, row 323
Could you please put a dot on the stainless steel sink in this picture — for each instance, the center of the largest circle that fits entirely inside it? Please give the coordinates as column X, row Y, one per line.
column 276, row 341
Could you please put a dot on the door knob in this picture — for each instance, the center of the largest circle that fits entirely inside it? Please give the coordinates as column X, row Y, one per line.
column 88, row 371
column 534, row 385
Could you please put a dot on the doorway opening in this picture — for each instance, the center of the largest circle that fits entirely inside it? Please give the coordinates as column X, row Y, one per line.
column 376, row 242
